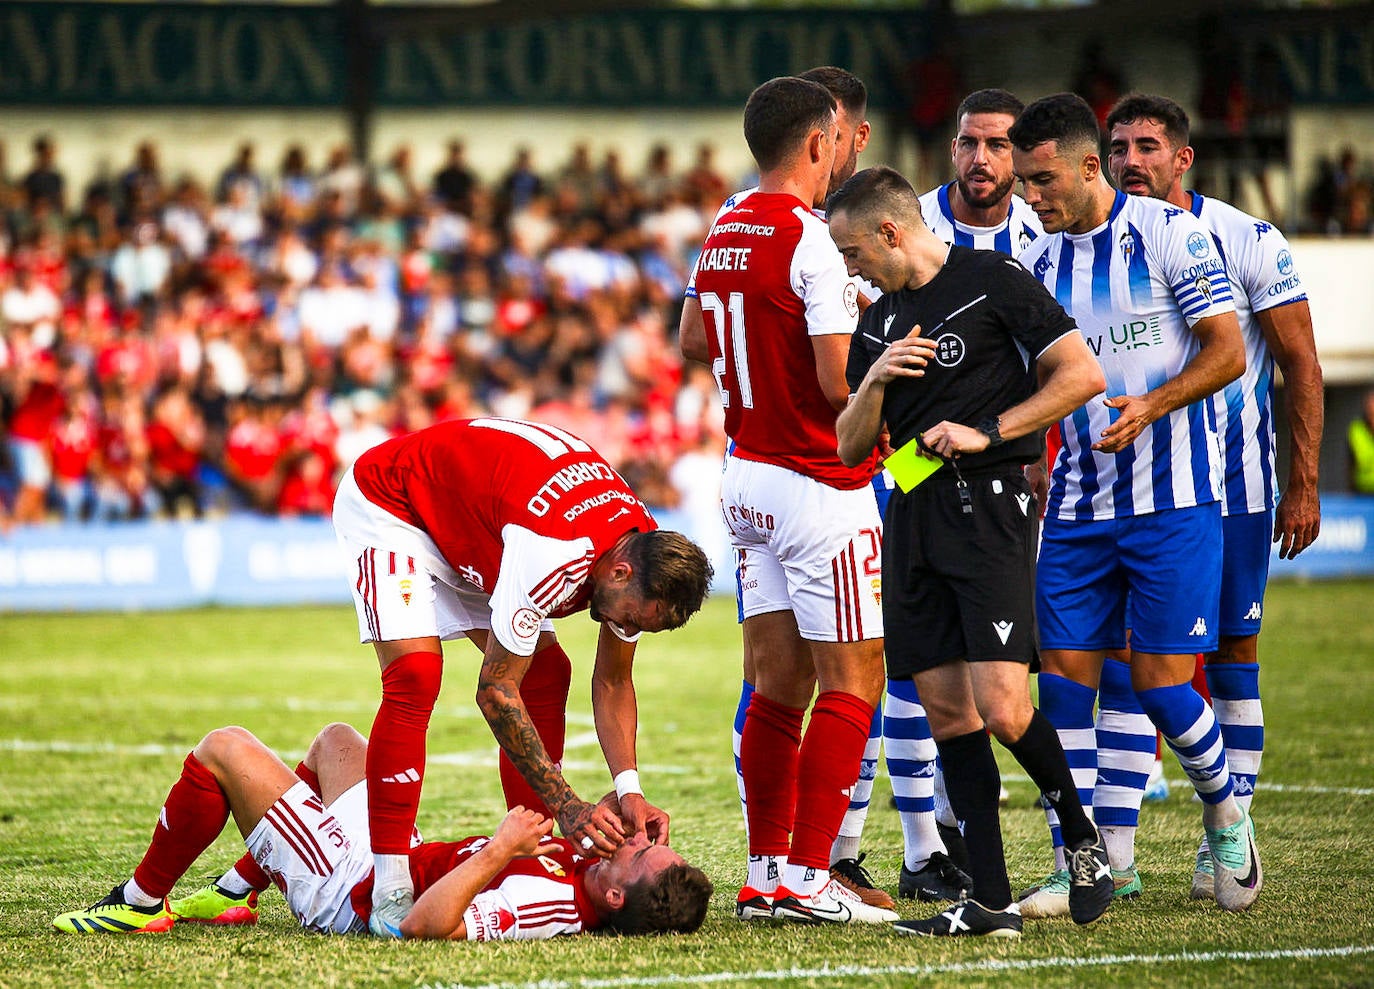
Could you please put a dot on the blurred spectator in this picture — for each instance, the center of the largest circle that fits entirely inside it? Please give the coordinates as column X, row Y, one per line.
column 43, row 181
column 140, row 187
column 455, row 182
column 176, row 436
column 703, row 184
column 241, row 174
column 1360, row 448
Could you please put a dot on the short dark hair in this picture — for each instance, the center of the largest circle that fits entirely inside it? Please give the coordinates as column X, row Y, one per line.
column 1162, row 110
column 670, row 568
column 672, row 902
column 780, row 114
column 1065, row 118
column 875, row 190
column 989, row 101
column 847, row 88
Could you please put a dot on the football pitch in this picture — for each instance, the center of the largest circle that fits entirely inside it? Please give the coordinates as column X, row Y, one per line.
column 98, row 711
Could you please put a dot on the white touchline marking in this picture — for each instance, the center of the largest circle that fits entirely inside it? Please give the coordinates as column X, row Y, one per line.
column 1264, row 786
column 477, row 757
column 866, row 971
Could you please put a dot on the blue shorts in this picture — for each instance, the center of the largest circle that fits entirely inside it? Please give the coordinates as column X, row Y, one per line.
column 1244, row 571
column 1158, row 575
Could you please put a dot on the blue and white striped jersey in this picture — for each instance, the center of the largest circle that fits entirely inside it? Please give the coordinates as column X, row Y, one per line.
column 1012, row 236
column 1135, row 286
column 1263, row 276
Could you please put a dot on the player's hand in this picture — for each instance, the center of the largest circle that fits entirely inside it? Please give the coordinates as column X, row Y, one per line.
column 1297, row 521
column 522, row 830
column 640, row 816
column 904, row 358
column 1038, row 477
column 1136, row 414
column 949, row 439
column 592, row 828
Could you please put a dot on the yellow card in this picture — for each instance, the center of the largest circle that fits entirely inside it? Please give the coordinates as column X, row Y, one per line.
column 909, row 467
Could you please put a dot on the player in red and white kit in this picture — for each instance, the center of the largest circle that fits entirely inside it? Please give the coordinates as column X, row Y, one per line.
column 778, row 306
column 308, row 831
column 489, row 528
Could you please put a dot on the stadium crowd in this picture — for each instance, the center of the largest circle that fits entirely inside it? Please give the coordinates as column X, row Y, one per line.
column 172, row 349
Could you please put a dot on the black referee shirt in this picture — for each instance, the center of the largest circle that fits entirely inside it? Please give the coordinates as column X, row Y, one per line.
column 989, row 319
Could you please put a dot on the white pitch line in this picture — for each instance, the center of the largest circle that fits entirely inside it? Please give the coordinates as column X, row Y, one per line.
column 485, row 758
column 1263, row 787
column 954, row 968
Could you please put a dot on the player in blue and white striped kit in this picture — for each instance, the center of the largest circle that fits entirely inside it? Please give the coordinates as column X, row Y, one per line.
column 1132, row 534
column 1148, row 156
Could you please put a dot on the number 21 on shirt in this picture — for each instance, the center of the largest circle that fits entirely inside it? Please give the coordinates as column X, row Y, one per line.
column 731, row 316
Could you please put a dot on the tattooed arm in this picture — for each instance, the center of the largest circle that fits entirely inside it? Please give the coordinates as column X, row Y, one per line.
column 498, row 697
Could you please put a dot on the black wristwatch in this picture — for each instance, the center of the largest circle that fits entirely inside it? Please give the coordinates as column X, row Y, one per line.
column 991, row 428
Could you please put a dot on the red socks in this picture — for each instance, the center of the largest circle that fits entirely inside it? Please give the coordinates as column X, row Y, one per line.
column 826, row 771
column 768, row 755
column 190, row 821
column 396, row 749
column 545, row 693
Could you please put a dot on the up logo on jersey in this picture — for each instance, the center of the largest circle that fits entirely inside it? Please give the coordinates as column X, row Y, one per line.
column 1285, row 263
column 949, row 349
column 1197, row 245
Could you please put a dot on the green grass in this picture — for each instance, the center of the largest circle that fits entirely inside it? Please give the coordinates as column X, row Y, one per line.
column 80, row 695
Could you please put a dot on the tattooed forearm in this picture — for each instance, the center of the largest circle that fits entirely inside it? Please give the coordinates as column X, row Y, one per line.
column 510, row 722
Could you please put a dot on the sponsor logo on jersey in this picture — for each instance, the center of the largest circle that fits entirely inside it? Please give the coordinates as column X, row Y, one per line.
column 525, row 622
column 470, row 574
column 1285, row 262
column 1198, row 246
column 1042, row 265
column 949, row 349
column 1287, row 285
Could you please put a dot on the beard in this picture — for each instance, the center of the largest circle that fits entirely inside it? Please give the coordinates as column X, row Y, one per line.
column 999, row 192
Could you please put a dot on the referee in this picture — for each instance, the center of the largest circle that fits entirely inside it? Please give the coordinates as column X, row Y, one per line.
column 948, row 359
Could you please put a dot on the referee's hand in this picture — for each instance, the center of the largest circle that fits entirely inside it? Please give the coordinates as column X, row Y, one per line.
column 904, row 358
column 949, row 439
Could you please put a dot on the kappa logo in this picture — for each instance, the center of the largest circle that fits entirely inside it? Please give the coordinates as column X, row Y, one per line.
column 1169, row 213
column 1261, row 228
column 1255, row 613
column 1199, row 627
column 1023, row 500
column 1241, row 785
column 1003, row 630
column 887, row 324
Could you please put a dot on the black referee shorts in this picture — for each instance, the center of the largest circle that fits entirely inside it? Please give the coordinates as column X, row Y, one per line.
column 957, row 584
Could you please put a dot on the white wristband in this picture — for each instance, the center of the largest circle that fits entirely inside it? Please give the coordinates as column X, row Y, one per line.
column 627, row 782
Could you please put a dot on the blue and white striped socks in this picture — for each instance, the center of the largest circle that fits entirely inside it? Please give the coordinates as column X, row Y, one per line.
column 1125, row 756
column 1191, row 729
column 1069, row 707
column 745, row 693
column 911, row 766
column 1236, row 702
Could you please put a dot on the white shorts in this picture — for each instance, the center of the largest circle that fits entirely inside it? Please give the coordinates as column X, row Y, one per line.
column 316, row 855
column 403, row 588
column 806, row 547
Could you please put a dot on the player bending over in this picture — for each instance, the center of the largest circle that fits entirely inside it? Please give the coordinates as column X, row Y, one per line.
column 308, row 832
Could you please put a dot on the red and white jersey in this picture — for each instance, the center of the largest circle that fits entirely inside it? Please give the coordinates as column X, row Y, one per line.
column 521, row 512
column 769, row 278
column 531, row 899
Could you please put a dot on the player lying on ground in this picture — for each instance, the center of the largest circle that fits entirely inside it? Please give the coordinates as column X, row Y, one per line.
column 309, row 834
